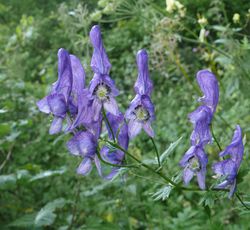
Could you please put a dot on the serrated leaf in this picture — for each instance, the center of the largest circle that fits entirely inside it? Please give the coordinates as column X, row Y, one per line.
column 169, row 150
column 48, row 173
column 163, row 193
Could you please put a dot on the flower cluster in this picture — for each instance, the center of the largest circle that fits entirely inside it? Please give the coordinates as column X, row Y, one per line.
column 195, row 159
column 85, row 109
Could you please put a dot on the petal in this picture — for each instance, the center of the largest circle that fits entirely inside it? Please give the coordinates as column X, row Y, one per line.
column 232, row 189
column 201, row 119
column 189, row 154
column 148, row 105
column 97, row 107
column 111, row 106
column 85, row 167
column 134, row 103
column 57, row 104
column 112, row 174
column 143, row 84
column 148, row 129
column 134, row 128
column 236, row 147
column 83, row 143
column 187, row 175
column 64, row 83
column 123, row 138
column 98, row 165
column 222, row 185
column 201, row 177
column 99, row 62
column 218, row 168
column 111, row 83
column 43, row 105
column 56, row 125
column 209, row 86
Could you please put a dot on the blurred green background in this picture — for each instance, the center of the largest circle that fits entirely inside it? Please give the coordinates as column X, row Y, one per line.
column 39, row 188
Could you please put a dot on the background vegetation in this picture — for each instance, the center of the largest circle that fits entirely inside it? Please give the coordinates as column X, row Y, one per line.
column 38, row 185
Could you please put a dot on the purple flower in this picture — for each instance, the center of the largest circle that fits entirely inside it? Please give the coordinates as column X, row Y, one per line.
column 84, row 144
column 209, row 86
column 201, row 119
column 143, row 84
column 141, row 110
column 195, row 159
column 194, row 162
column 102, row 91
column 140, row 115
column 102, row 87
column 57, row 101
column 99, row 63
column 229, row 167
column 119, row 127
column 78, row 83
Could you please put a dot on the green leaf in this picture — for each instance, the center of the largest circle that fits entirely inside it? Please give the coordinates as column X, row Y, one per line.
column 7, row 181
column 5, row 129
column 169, row 150
column 163, row 193
column 24, row 221
column 48, row 173
column 46, row 215
column 220, row 28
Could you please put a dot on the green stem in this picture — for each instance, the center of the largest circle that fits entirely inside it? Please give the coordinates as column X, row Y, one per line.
column 156, row 152
column 215, row 139
column 206, row 44
column 109, row 126
column 241, row 201
column 143, row 164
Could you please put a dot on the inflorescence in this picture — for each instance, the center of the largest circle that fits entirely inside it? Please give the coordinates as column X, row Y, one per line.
column 83, row 110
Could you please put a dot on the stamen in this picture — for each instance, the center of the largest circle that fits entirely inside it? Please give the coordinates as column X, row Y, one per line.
column 194, row 164
column 102, row 91
column 141, row 113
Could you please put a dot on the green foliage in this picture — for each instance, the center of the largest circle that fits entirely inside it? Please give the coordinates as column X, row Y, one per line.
column 38, row 184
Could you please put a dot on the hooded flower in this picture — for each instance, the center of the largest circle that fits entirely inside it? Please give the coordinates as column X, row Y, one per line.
column 141, row 110
column 201, row 119
column 230, row 167
column 209, row 86
column 84, row 144
column 194, row 162
column 195, row 159
column 143, row 84
column 57, row 101
column 102, row 87
column 119, row 128
column 78, row 84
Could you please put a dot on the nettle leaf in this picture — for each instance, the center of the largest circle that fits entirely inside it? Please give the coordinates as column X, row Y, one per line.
column 163, row 193
column 169, row 150
column 46, row 215
column 48, row 173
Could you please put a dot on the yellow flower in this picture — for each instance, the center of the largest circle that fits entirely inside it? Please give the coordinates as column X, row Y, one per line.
column 202, row 21
column 236, row 18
